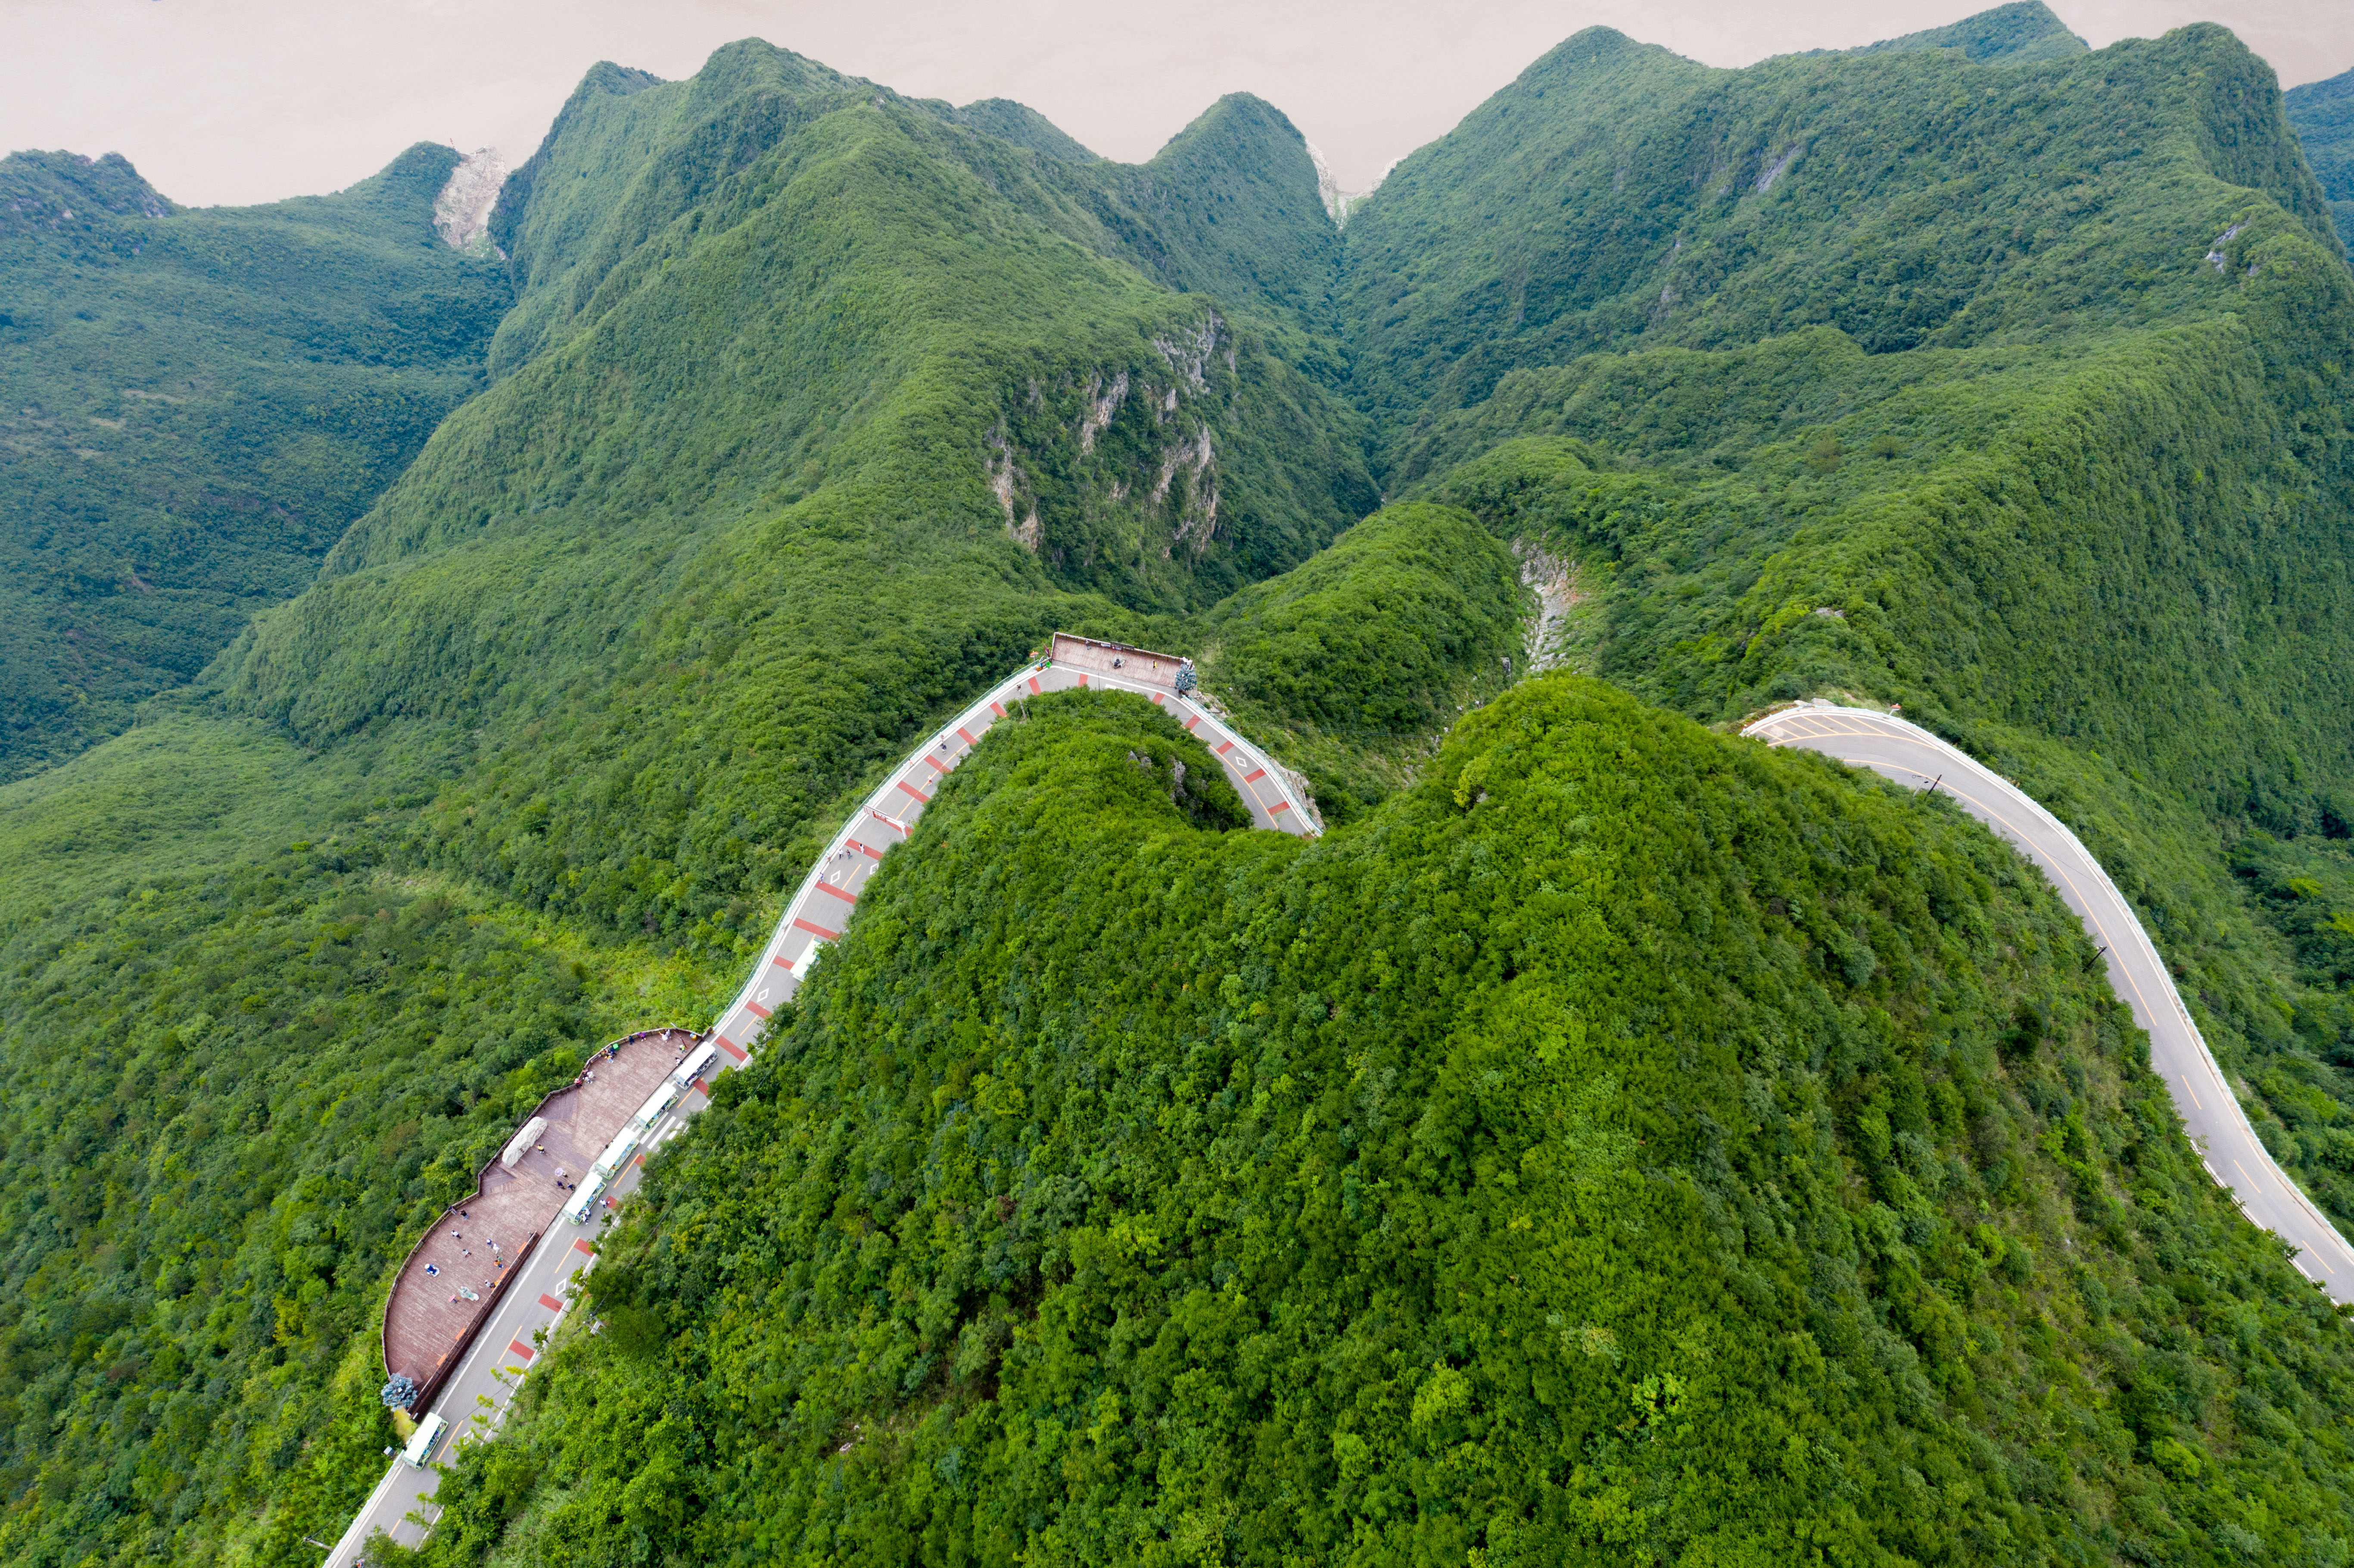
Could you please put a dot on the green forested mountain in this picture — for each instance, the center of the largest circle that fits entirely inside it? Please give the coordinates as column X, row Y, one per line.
column 2023, row 33
column 1608, row 1141
column 1022, row 125
column 196, row 405
column 1625, row 1143
column 1617, row 196
column 1355, row 662
column 2090, row 519
column 1227, row 208
column 2323, row 114
column 815, row 407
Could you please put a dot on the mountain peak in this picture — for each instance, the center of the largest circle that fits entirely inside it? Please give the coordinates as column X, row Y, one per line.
column 52, row 189
column 1024, row 127
column 2022, row 33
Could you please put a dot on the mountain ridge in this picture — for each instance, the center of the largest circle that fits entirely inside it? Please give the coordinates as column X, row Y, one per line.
column 198, row 402
column 1606, row 1138
column 2323, row 115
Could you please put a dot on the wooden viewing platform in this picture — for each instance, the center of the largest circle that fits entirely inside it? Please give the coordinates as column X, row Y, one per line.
column 1142, row 665
column 428, row 1320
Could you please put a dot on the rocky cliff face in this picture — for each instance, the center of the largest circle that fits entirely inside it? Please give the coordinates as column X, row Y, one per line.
column 461, row 213
column 1337, row 201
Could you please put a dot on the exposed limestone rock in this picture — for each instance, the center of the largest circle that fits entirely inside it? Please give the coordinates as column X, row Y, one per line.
column 1555, row 583
column 1103, row 403
column 1005, row 479
column 1337, row 202
column 1775, row 166
column 461, row 213
column 1197, row 522
column 1189, row 353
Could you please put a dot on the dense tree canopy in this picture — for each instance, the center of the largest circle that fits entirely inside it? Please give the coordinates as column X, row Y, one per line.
column 1609, row 1140
column 1625, row 1141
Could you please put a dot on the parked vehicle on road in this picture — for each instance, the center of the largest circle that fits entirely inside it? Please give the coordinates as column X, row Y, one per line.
column 427, row 1438
column 698, row 1063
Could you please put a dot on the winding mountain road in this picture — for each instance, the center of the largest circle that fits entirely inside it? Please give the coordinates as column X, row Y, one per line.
column 1911, row 756
column 475, row 1398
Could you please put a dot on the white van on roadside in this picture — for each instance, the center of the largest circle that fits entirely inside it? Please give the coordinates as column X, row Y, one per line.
column 693, row 1067
column 430, row 1432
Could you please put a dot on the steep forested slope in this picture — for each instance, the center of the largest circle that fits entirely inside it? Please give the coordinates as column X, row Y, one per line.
column 1356, row 662
column 1610, row 1141
column 1228, row 207
column 2094, row 524
column 2323, row 114
column 1625, row 1144
column 850, row 429
column 1218, row 211
column 817, row 405
column 1615, row 195
column 193, row 405
column 2018, row 34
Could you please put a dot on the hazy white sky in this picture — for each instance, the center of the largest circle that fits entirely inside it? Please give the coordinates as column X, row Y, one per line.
column 244, row 101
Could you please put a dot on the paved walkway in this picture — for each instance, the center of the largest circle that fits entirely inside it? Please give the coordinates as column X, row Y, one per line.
column 1139, row 665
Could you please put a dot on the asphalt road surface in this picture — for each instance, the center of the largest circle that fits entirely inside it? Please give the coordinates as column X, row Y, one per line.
column 1913, row 756
column 475, row 1398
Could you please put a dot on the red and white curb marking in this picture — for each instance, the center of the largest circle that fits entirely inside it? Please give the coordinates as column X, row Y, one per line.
column 826, row 895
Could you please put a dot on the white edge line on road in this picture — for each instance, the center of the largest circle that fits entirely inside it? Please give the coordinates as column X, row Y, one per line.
column 2131, row 924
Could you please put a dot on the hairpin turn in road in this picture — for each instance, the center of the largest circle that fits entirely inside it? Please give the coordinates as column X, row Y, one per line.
column 474, row 1399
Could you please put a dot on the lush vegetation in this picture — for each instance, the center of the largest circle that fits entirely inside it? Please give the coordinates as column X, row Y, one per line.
column 1356, row 662
column 2105, row 553
column 1617, row 195
column 1626, row 1143
column 803, row 426
column 2022, row 33
column 301, row 1065
column 2323, row 114
column 822, row 457
column 1807, row 518
column 193, row 405
column 1721, row 593
column 1979, row 373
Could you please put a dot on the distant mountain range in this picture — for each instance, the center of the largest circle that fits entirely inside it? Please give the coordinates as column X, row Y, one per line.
column 439, row 651
column 2323, row 115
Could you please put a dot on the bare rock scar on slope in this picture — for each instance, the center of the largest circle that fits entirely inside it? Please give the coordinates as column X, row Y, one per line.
column 1555, row 582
